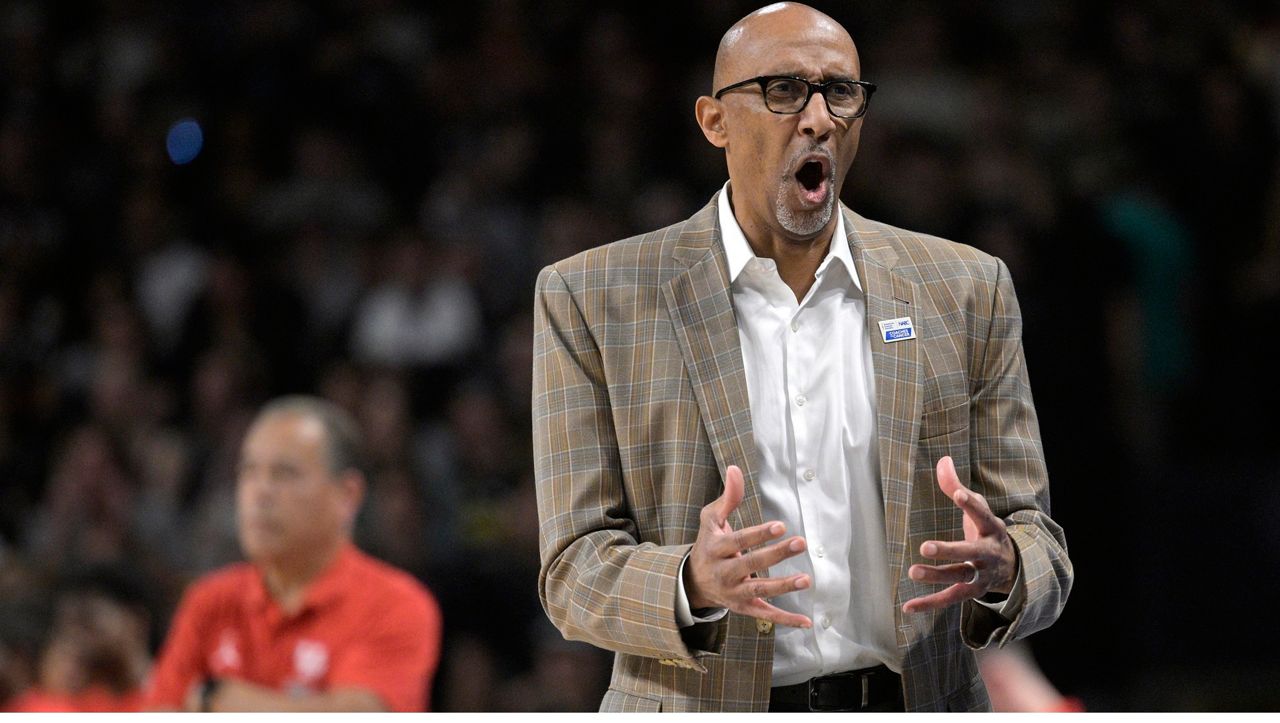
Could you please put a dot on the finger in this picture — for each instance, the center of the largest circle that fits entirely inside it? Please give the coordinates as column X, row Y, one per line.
column 936, row 550
column 975, row 506
column 747, row 538
column 938, row 600
column 767, row 557
column 957, row 574
column 948, row 480
column 758, row 608
column 730, row 498
column 767, row 587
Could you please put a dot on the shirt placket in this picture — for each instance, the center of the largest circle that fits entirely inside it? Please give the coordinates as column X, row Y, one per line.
column 805, row 328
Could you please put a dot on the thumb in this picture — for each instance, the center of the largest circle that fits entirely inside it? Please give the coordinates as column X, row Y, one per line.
column 732, row 495
column 948, row 480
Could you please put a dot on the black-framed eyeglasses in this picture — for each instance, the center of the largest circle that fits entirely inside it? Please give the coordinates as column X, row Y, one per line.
column 787, row 94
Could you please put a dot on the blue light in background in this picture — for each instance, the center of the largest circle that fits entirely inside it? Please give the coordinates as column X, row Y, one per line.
column 184, row 141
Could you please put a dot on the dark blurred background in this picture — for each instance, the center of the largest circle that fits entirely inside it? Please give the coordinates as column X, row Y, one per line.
column 203, row 205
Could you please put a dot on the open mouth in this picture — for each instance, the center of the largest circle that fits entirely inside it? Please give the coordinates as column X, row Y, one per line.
column 812, row 177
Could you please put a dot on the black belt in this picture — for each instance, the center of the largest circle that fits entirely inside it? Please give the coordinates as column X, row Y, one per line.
column 875, row 689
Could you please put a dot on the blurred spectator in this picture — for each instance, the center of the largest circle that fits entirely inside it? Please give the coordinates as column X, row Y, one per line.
column 474, row 456
column 95, row 662
column 11, row 679
column 328, row 186
column 421, row 313
column 412, row 516
column 86, row 515
column 95, row 656
column 330, row 275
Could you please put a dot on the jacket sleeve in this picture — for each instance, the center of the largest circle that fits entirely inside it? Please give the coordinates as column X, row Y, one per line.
column 1007, row 467
column 598, row 582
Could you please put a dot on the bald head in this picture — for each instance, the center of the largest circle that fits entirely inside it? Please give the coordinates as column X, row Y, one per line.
column 759, row 34
column 342, row 438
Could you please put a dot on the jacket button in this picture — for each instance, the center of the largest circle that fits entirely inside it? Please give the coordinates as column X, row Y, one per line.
column 764, row 627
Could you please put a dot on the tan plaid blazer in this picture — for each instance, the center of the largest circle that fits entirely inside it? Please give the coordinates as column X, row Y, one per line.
column 640, row 403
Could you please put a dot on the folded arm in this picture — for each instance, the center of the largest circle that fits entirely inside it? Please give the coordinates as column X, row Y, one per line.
column 233, row 696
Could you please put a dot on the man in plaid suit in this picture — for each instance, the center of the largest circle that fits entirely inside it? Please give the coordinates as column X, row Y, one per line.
column 779, row 364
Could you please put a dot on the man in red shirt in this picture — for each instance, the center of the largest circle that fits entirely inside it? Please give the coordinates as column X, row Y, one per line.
column 310, row 623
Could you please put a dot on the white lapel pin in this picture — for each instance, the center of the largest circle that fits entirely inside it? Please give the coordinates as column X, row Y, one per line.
column 899, row 329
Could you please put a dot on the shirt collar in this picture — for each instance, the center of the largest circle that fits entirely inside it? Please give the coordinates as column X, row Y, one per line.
column 335, row 581
column 329, row 585
column 738, row 252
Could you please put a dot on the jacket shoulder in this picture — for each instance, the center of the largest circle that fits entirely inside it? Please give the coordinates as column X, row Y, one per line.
column 387, row 586
column 962, row 283
column 932, row 259
column 223, row 586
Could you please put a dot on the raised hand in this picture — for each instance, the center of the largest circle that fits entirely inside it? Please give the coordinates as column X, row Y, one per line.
column 719, row 571
column 986, row 561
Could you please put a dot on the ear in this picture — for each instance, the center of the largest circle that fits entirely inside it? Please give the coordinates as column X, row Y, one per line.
column 710, row 115
column 352, row 484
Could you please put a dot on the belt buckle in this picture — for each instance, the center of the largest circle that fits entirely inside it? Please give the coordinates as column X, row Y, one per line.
column 814, row 683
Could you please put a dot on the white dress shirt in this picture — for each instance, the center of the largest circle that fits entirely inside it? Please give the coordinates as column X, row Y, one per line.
column 812, row 392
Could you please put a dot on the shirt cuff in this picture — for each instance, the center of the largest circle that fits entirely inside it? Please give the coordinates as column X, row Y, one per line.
column 685, row 617
column 1011, row 605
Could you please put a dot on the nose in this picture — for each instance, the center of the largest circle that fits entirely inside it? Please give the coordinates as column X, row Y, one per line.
column 815, row 118
column 254, row 489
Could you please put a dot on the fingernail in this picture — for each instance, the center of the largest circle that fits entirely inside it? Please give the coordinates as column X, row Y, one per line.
column 796, row 545
column 929, row 549
column 775, row 528
column 802, row 583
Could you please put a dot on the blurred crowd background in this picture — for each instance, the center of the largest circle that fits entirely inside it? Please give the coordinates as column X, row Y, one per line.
column 372, row 185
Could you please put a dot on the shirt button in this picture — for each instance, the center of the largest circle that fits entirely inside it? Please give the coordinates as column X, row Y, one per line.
column 795, row 326
column 820, row 550
column 826, row 621
column 809, row 475
column 801, row 399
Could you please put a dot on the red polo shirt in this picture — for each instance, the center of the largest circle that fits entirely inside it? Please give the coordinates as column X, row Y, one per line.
column 362, row 624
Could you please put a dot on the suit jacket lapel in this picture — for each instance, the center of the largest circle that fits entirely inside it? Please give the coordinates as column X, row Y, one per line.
column 890, row 295
column 701, row 310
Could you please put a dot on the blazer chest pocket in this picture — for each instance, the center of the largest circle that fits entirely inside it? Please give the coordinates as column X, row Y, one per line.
column 943, row 421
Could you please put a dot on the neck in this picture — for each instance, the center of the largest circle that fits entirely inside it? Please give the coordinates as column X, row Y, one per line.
column 797, row 259
column 287, row 579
